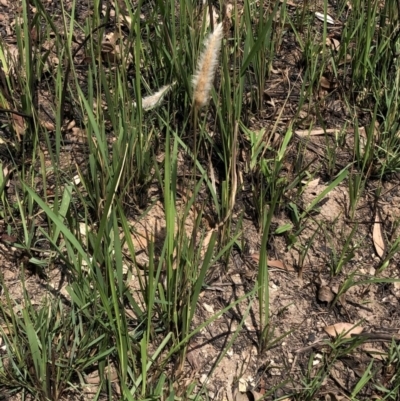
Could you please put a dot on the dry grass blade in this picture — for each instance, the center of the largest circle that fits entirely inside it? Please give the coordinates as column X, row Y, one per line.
column 206, row 67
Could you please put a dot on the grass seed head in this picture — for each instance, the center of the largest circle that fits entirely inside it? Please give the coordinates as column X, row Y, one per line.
column 152, row 101
column 205, row 71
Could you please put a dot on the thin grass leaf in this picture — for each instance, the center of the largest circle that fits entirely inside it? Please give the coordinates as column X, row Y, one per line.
column 58, row 223
column 62, row 211
column 340, row 177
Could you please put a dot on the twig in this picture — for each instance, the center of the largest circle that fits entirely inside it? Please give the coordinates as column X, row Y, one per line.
column 18, row 113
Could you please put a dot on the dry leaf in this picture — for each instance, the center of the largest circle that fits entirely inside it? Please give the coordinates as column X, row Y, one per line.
column 206, row 243
column 362, row 132
column 325, row 294
column 325, row 83
column 377, row 236
column 49, row 125
column 341, row 327
column 108, row 53
column 333, row 43
column 376, row 353
column 6, row 175
column 273, row 263
column 12, row 60
column 19, row 125
column 311, row 184
column 276, row 263
column 280, row 265
column 8, row 238
column 109, row 372
column 255, row 396
column 289, row 3
column 208, row 308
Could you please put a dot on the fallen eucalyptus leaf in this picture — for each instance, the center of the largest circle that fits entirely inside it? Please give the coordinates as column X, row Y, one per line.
column 339, row 328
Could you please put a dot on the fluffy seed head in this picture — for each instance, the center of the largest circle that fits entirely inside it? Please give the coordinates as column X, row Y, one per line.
column 152, row 101
column 206, row 66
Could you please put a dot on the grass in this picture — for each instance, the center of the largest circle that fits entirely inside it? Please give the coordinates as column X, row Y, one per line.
column 77, row 216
